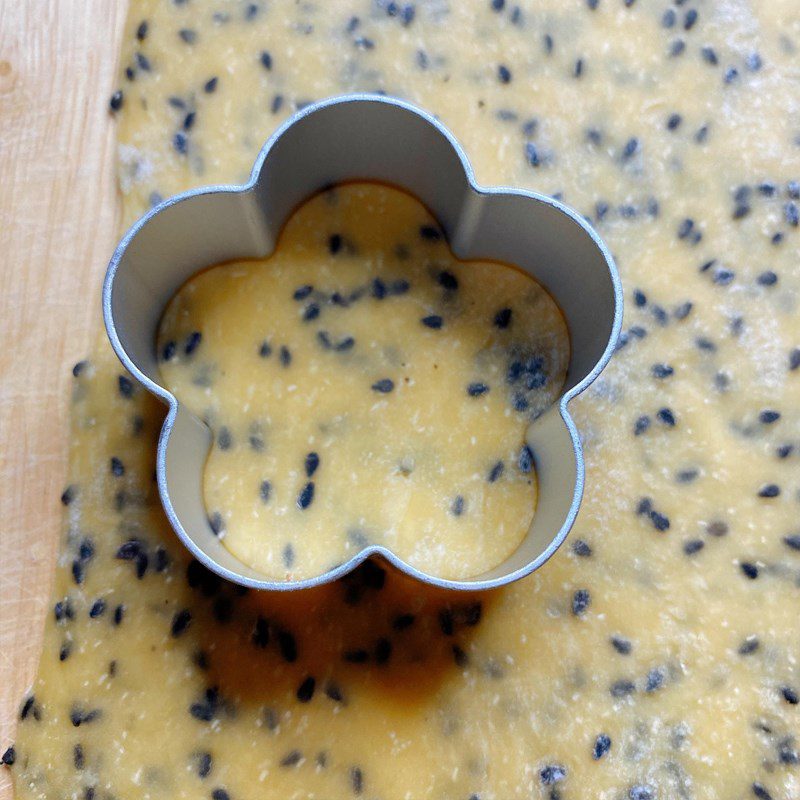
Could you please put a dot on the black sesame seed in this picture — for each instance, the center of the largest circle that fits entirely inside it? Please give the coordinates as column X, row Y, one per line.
column 581, row 601
column 383, row 386
column 429, row 232
column 677, row 47
column 264, row 491
column 28, row 705
column 205, row 764
column 220, row 794
column 767, row 278
column 495, row 472
column 69, row 494
column 760, row 791
column 125, row 386
column 693, row 546
column 291, row 759
column 447, row 280
column 345, row 344
column 622, row 688
column 655, row 680
column 311, row 312
column 640, row 792
column 287, row 646
column 731, row 74
column 669, row 18
column 630, row 149
column 660, row 521
column 749, row 569
column 64, row 652
column 168, row 351
column 306, row 496
column 769, row 490
column 119, row 614
column 690, row 19
column 502, row 319
column 532, row 154
column 79, row 716
column 432, row 321
column 749, row 646
column 9, row 757
column 210, row 85
column 477, row 389
column 188, row 35
column 311, row 463
column 552, row 773
column 621, row 645
column 666, row 416
column 285, row 356
column 525, row 459
column 446, row 622
column 356, row 780
column 116, row 101
column 265, row 349
column 457, row 508
column 754, row 62
column 306, row 689
column 224, row 438
column 98, row 608
column 602, row 745
column 581, row 548
column 460, row 658
column 661, row 371
column 180, row 622
column 641, row 425
column 180, row 142
column 403, row 621
column 303, row 291
column 768, row 416
column 266, row 60
column 78, row 571
column 379, row 290
column 503, row 74
column 216, row 523
column 192, row 342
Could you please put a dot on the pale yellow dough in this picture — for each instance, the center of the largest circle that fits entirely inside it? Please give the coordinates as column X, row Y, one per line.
column 679, row 643
column 341, row 417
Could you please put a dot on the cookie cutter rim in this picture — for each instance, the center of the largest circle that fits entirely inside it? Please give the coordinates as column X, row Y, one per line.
column 474, row 189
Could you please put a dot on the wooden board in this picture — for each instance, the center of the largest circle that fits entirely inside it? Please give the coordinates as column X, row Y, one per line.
column 58, row 225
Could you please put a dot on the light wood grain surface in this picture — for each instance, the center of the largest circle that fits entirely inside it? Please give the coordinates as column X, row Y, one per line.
column 58, row 225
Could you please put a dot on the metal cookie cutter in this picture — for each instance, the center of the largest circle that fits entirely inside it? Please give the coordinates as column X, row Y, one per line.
column 364, row 137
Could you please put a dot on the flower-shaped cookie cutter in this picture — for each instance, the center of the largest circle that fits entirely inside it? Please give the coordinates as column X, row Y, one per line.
column 364, row 137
